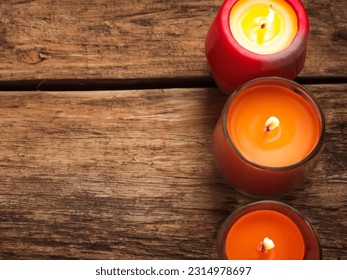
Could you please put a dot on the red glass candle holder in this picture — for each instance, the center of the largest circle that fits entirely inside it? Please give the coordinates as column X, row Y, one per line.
column 292, row 235
column 231, row 65
column 253, row 178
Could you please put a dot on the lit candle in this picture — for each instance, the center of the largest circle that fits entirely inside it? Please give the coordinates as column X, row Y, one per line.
column 292, row 238
column 256, row 38
column 269, row 136
column 263, row 26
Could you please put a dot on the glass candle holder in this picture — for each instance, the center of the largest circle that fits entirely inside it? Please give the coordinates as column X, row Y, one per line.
column 268, row 137
column 267, row 230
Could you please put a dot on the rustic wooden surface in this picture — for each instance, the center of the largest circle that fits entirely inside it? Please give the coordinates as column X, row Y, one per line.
column 45, row 40
column 130, row 175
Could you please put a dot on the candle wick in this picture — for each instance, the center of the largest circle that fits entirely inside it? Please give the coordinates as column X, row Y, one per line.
column 263, row 249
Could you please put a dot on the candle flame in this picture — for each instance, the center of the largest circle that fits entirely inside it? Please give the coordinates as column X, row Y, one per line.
column 271, row 124
column 271, row 16
column 266, row 245
column 269, row 19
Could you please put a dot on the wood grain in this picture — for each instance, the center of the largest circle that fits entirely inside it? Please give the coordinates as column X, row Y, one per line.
column 130, row 175
column 129, row 39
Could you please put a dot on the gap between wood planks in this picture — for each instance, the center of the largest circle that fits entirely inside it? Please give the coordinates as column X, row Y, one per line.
column 135, row 84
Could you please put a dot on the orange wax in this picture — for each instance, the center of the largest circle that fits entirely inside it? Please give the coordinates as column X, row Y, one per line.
column 243, row 238
column 296, row 136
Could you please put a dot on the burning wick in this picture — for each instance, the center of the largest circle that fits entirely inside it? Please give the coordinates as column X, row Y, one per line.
column 271, row 124
column 266, row 245
column 269, row 19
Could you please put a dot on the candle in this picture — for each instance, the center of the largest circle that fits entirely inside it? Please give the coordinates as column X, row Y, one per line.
column 256, row 38
column 269, row 136
column 267, row 230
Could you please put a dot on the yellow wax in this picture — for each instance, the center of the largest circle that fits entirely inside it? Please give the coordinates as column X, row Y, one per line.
column 263, row 26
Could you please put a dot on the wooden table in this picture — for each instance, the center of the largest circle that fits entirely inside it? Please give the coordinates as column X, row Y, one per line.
column 106, row 114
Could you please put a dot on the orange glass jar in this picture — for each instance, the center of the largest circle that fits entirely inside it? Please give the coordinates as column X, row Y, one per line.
column 269, row 136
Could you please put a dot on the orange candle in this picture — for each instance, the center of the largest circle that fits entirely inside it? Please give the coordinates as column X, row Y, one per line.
column 267, row 230
column 269, row 136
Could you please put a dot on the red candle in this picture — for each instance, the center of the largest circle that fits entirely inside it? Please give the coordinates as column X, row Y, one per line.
column 256, row 38
column 269, row 136
column 267, row 230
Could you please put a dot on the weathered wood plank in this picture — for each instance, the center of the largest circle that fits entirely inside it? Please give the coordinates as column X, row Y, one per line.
column 46, row 39
column 130, row 175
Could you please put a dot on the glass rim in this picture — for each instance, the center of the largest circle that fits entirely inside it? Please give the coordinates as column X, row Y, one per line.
column 304, row 90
